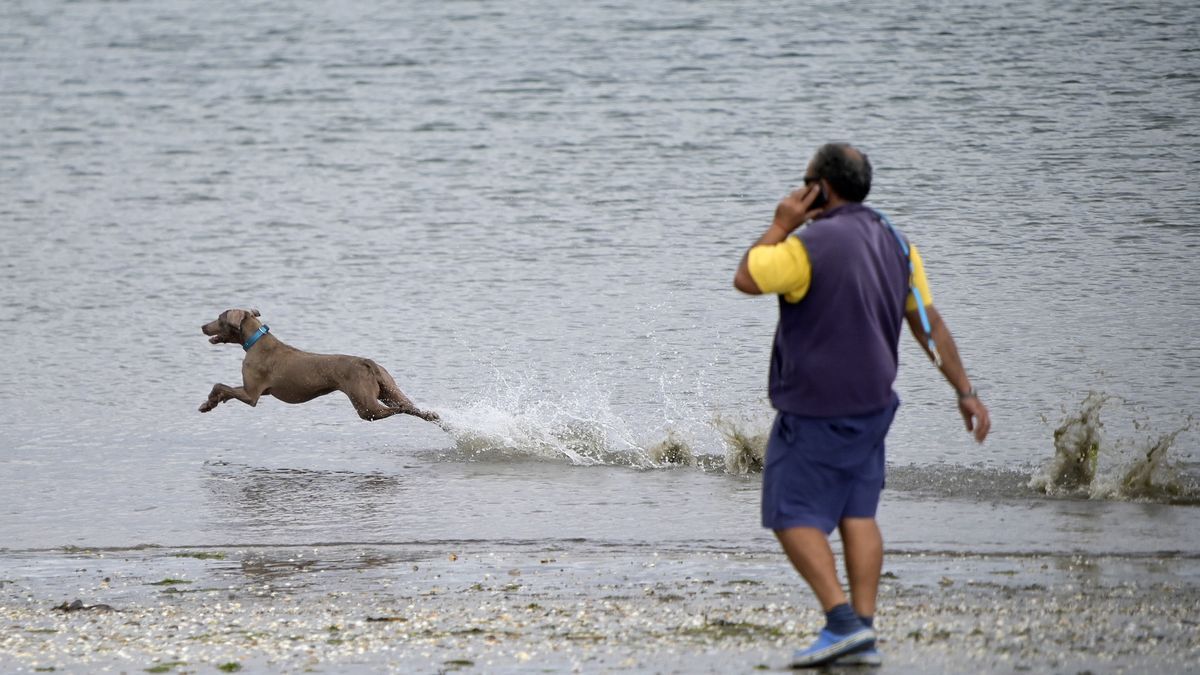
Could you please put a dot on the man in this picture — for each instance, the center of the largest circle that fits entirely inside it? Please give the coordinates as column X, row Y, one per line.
column 845, row 283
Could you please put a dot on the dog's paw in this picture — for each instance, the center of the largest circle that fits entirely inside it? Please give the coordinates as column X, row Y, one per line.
column 208, row 405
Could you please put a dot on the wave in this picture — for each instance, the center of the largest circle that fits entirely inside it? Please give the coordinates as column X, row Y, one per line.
column 1130, row 465
column 584, row 429
column 746, row 451
column 587, row 443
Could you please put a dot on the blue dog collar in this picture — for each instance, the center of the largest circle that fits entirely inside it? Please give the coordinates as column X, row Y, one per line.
column 256, row 337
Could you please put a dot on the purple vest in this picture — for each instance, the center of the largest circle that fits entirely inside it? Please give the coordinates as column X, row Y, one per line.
column 835, row 351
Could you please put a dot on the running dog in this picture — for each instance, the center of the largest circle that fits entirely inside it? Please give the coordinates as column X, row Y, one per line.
column 294, row 376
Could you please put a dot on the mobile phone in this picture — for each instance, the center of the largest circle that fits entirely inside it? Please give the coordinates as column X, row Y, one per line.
column 822, row 199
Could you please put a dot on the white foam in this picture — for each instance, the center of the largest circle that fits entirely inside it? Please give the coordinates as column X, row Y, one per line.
column 1132, row 464
column 519, row 420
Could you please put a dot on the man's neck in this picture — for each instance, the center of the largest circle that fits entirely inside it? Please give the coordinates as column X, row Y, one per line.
column 836, row 205
column 835, row 201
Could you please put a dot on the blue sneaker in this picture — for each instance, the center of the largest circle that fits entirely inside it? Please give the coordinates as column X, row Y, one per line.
column 868, row 656
column 829, row 646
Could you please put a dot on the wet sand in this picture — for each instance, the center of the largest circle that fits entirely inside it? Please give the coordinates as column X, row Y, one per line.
column 576, row 606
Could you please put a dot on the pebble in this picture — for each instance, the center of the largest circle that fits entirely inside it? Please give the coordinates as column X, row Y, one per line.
column 593, row 613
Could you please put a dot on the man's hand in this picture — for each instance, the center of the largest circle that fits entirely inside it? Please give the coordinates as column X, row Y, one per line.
column 975, row 414
column 796, row 209
column 973, row 411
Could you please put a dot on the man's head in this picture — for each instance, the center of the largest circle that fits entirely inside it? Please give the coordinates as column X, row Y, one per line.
column 845, row 170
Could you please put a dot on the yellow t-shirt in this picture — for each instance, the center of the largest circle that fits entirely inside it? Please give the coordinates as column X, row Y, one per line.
column 784, row 269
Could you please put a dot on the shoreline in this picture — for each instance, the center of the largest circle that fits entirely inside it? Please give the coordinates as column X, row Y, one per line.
column 576, row 607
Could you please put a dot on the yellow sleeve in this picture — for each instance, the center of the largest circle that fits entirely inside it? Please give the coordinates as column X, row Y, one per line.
column 918, row 281
column 781, row 268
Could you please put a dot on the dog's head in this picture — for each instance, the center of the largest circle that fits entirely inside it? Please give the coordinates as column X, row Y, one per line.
column 228, row 326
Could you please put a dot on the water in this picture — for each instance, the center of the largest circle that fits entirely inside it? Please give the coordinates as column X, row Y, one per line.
column 1136, row 467
column 530, row 214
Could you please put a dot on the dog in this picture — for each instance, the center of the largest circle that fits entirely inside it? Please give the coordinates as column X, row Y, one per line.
column 293, row 376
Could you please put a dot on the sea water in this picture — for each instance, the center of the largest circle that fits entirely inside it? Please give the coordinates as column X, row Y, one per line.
column 530, row 213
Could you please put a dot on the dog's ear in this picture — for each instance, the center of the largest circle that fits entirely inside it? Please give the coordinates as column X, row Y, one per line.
column 255, row 312
column 235, row 317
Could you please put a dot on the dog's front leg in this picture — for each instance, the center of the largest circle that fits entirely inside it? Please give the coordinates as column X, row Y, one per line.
column 223, row 392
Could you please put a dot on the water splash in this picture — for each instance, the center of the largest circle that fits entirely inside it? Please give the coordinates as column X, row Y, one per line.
column 1076, row 449
column 520, row 421
column 672, row 450
column 1134, row 468
column 516, row 436
column 541, row 430
column 746, row 451
column 1150, row 476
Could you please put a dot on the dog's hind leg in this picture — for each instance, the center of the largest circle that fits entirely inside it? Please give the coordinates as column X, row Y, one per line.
column 370, row 409
column 395, row 399
column 364, row 396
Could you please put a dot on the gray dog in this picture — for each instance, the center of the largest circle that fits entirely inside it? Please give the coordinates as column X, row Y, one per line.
column 292, row 376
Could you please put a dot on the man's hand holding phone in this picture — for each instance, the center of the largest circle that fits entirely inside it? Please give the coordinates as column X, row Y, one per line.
column 799, row 207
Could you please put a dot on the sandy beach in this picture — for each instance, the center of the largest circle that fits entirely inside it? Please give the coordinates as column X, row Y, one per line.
column 530, row 214
column 575, row 607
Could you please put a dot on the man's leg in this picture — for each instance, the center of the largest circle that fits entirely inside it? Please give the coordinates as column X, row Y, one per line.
column 800, row 494
column 808, row 550
column 863, row 548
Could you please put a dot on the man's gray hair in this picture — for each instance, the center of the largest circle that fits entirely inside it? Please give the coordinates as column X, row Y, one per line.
column 846, row 168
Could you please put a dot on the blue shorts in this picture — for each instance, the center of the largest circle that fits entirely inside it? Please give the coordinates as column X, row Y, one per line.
column 820, row 470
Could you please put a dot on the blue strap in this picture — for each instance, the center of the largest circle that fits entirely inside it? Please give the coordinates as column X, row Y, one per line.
column 263, row 330
column 937, row 358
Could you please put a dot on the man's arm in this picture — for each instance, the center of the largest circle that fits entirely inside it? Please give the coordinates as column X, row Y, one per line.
column 973, row 411
column 791, row 213
column 742, row 279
